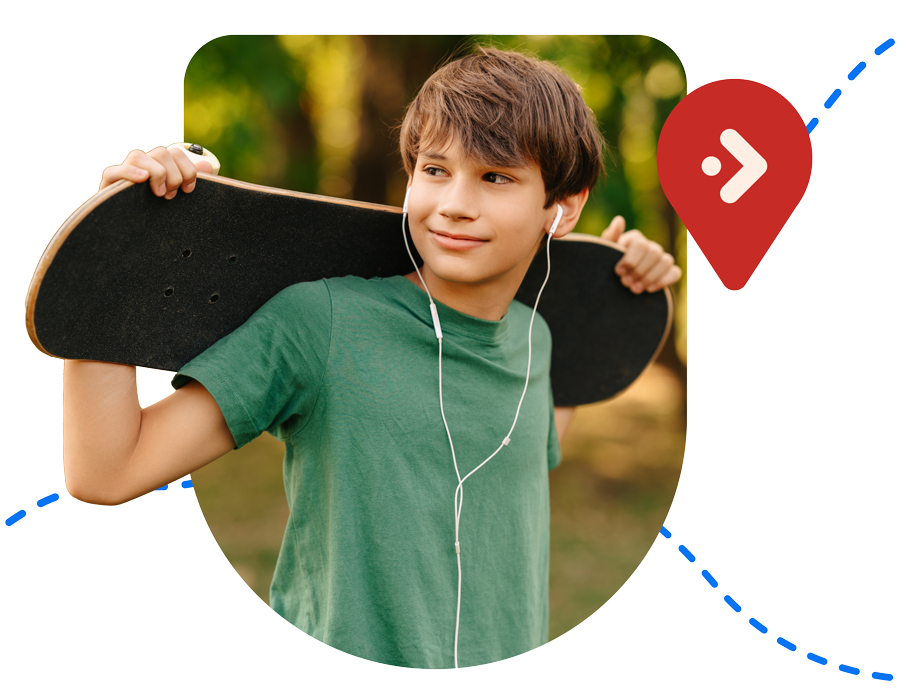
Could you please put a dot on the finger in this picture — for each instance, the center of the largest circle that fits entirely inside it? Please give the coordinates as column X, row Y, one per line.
column 119, row 172
column 672, row 276
column 156, row 171
column 615, row 229
column 651, row 257
column 172, row 178
column 657, row 271
column 635, row 248
column 187, row 168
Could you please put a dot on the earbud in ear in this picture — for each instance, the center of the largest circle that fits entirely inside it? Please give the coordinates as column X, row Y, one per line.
column 406, row 199
column 559, row 213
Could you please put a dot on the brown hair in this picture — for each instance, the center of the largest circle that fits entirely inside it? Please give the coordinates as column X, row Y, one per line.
column 508, row 109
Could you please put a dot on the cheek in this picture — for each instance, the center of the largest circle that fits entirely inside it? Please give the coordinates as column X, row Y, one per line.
column 525, row 228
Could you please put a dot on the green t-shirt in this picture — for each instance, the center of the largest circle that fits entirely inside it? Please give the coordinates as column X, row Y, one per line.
column 345, row 372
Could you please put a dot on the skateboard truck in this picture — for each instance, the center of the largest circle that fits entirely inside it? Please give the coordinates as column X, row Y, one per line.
column 197, row 153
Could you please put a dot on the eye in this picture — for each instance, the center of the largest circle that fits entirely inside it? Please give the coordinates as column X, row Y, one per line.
column 494, row 177
column 434, row 171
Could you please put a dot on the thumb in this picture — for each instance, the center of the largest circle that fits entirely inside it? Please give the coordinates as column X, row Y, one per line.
column 615, row 229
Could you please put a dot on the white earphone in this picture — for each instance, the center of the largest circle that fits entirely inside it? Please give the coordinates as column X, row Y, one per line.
column 458, row 495
column 559, row 214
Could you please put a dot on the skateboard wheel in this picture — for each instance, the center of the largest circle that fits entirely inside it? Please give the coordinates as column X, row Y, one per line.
column 197, row 153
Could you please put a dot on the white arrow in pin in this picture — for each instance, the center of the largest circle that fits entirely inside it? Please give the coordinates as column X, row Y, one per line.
column 752, row 166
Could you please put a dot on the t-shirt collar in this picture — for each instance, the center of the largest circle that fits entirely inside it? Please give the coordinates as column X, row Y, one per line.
column 453, row 322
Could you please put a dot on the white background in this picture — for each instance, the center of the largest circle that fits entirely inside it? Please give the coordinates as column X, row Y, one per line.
column 789, row 489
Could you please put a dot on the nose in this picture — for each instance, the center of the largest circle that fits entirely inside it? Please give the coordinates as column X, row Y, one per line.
column 459, row 200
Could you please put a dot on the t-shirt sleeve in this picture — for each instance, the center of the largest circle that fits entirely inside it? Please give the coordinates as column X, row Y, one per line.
column 554, row 455
column 266, row 375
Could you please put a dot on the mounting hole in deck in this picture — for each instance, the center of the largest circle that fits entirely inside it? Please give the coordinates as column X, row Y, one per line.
column 232, row 259
column 214, row 299
column 169, row 291
column 186, row 253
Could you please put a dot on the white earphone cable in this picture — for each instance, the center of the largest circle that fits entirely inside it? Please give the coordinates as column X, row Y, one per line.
column 458, row 494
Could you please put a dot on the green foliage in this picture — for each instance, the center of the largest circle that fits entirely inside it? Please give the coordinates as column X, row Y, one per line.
column 92, row 98
column 318, row 114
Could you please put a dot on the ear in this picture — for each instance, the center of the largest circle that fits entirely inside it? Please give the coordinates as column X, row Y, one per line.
column 572, row 207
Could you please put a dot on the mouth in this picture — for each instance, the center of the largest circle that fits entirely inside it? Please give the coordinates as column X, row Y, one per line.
column 456, row 242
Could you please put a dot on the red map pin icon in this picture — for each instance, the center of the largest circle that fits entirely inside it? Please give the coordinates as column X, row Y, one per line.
column 734, row 159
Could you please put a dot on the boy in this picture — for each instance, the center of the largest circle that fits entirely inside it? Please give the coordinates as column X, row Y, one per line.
column 381, row 420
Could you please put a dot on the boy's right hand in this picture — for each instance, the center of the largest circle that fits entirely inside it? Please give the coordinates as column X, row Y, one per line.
column 167, row 170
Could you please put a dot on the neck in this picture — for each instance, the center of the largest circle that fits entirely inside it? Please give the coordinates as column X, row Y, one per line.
column 477, row 301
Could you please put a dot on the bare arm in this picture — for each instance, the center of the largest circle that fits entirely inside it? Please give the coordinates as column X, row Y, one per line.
column 113, row 451
column 563, row 418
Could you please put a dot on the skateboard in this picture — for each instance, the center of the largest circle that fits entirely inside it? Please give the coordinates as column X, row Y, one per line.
column 135, row 279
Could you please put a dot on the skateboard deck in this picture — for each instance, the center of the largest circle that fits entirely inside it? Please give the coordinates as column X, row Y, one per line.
column 135, row 279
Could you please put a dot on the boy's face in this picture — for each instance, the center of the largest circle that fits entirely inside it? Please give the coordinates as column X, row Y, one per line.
column 476, row 224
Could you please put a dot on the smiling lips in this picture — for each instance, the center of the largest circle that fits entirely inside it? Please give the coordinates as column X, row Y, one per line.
column 456, row 242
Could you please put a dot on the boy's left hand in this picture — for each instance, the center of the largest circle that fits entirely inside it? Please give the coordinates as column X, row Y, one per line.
column 645, row 265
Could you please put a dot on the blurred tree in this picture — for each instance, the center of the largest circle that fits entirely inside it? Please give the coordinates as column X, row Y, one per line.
column 244, row 99
column 91, row 98
column 395, row 68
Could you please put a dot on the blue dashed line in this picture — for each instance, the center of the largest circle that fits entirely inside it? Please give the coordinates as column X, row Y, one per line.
column 854, row 73
column 833, row 98
column 758, row 625
column 15, row 517
column 790, row 646
column 44, row 501
column 883, row 47
column 787, row 645
column 50, row 499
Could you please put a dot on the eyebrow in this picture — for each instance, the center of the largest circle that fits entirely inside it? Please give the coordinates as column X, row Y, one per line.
column 432, row 155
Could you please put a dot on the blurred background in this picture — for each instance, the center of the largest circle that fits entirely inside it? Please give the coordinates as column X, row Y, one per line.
column 319, row 114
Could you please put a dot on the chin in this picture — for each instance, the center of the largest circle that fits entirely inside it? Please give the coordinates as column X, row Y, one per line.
column 460, row 272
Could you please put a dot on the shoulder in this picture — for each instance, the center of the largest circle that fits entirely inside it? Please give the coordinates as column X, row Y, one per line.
column 353, row 291
column 302, row 304
column 302, row 291
column 301, row 294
